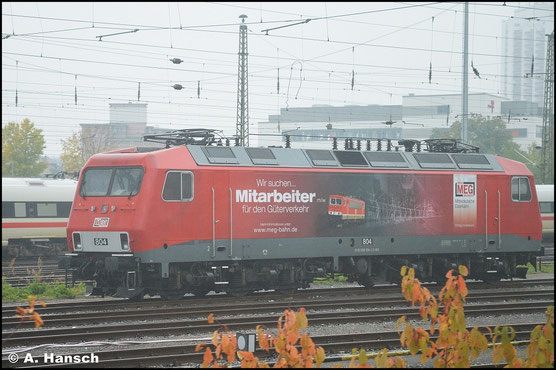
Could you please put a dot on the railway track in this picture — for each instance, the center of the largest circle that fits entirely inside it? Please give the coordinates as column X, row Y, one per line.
column 123, row 313
column 176, row 327
column 185, row 353
column 117, row 320
column 222, row 299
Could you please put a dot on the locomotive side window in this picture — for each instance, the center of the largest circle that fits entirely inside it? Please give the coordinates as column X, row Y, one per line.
column 355, row 205
column 521, row 190
column 178, row 186
column 186, row 186
column 118, row 181
column 172, row 186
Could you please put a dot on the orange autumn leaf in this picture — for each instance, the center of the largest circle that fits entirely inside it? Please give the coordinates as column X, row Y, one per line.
column 320, row 356
column 292, row 337
column 245, row 355
column 21, row 310
column 462, row 288
column 199, row 346
column 38, row 320
column 207, row 357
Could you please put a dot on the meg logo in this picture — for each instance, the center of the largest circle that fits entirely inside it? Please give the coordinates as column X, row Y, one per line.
column 101, row 222
column 465, row 189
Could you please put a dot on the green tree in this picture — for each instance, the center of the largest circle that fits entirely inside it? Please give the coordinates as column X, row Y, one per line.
column 490, row 135
column 22, row 147
column 533, row 160
column 72, row 153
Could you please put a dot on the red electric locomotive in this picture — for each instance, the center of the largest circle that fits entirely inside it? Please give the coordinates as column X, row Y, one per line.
column 342, row 209
column 197, row 217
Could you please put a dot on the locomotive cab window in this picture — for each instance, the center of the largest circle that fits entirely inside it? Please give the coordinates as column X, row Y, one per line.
column 116, row 181
column 178, row 186
column 336, row 201
column 521, row 190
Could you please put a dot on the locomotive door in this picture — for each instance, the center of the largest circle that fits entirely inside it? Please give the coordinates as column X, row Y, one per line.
column 221, row 216
column 493, row 214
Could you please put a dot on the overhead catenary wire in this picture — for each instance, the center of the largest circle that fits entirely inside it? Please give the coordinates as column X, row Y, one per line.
column 310, row 76
column 229, row 24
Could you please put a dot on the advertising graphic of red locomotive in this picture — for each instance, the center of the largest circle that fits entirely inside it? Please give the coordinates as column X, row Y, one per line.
column 383, row 204
column 342, row 209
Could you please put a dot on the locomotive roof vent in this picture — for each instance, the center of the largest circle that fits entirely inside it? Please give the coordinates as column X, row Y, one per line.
column 386, row 159
column 351, row 158
column 261, row 155
column 434, row 160
column 321, row 157
column 220, row 154
column 472, row 161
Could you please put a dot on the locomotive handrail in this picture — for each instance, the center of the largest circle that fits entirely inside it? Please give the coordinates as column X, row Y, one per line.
column 213, row 227
column 486, row 220
column 231, row 223
column 499, row 223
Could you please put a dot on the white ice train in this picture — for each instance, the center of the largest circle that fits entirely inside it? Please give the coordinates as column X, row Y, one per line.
column 35, row 213
column 545, row 194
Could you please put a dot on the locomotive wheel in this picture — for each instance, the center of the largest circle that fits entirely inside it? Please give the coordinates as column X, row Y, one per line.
column 286, row 290
column 200, row 292
column 367, row 283
column 491, row 279
column 137, row 298
column 171, row 296
column 237, row 293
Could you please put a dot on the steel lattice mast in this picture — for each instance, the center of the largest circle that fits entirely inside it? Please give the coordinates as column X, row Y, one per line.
column 548, row 116
column 242, row 122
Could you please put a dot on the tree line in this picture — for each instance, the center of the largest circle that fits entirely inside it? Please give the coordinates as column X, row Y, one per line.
column 23, row 146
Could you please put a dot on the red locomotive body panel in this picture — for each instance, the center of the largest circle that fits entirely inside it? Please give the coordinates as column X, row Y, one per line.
column 184, row 225
column 292, row 203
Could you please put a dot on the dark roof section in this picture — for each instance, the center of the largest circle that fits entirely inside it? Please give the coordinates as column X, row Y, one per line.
column 386, row 159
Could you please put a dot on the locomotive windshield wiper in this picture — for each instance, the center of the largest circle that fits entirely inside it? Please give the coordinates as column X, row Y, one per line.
column 132, row 190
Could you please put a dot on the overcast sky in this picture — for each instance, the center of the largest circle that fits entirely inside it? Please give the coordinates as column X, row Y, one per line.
column 388, row 47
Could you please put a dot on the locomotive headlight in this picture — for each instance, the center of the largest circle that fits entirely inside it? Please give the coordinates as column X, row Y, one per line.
column 77, row 241
column 124, row 239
